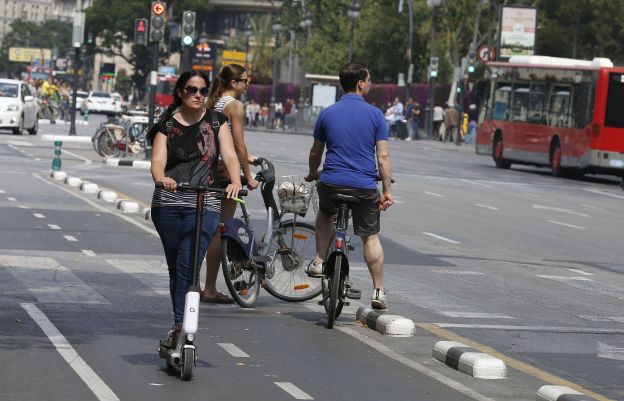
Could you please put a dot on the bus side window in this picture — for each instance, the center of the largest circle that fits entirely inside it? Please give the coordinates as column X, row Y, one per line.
column 520, row 102
column 500, row 107
column 559, row 108
column 536, row 104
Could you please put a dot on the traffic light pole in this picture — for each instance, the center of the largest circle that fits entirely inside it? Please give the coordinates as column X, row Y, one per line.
column 152, row 96
column 72, row 113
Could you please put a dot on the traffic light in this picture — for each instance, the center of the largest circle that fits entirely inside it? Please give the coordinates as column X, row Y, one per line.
column 471, row 62
column 157, row 21
column 433, row 67
column 140, row 31
column 460, row 87
column 188, row 28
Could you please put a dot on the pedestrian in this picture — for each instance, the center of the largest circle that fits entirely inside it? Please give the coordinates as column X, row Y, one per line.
column 356, row 138
column 438, row 119
column 278, row 119
column 264, row 114
column 186, row 144
column 414, row 122
column 472, row 124
column 231, row 82
column 409, row 107
column 451, row 120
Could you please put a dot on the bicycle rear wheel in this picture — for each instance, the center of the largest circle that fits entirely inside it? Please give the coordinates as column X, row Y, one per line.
column 106, row 142
column 293, row 247
column 240, row 276
column 333, row 303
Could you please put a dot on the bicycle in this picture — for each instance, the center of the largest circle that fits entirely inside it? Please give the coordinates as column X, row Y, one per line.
column 119, row 134
column 336, row 285
column 278, row 259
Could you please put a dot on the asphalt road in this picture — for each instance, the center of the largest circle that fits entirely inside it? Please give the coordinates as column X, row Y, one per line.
column 524, row 264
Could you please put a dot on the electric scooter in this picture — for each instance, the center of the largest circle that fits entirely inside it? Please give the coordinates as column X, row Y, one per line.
column 184, row 354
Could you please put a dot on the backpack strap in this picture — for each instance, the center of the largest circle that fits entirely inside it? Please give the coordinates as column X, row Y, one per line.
column 215, row 121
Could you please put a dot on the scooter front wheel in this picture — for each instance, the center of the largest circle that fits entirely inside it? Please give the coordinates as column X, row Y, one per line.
column 187, row 363
column 240, row 276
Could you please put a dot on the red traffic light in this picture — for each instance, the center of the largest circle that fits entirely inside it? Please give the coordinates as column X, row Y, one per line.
column 140, row 27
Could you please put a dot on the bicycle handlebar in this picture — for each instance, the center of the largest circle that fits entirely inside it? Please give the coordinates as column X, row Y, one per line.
column 184, row 187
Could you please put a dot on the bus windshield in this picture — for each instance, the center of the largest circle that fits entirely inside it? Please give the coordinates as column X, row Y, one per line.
column 615, row 98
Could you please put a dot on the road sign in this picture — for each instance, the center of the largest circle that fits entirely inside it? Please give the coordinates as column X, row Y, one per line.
column 158, row 8
column 29, row 54
column 486, row 53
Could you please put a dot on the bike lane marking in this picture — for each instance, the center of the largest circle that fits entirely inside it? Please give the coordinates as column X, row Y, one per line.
column 84, row 371
column 294, row 391
column 441, row 238
column 233, row 350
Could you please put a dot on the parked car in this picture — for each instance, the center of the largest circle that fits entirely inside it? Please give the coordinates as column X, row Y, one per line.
column 18, row 107
column 120, row 104
column 101, row 102
column 80, row 97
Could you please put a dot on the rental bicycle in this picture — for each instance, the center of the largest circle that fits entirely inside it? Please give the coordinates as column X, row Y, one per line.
column 277, row 260
column 119, row 134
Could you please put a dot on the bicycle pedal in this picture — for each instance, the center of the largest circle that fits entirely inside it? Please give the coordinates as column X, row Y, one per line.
column 354, row 293
column 321, row 302
column 346, row 303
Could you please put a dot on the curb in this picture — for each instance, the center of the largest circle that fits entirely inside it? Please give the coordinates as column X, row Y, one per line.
column 127, row 206
column 44, row 121
column 144, row 164
column 73, row 181
column 468, row 360
column 89, row 187
column 58, row 175
column 65, row 138
column 107, row 195
column 560, row 393
column 390, row 325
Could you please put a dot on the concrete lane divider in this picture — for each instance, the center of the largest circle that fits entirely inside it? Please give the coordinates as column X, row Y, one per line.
column 560, row 393
column 88, row 187
column 107, row 195
column 73, row 181
column 147, row 212
column 143, row 164
column 65, row 138
column 468, row 360
column 391, row 325
column 127, row 206
column 58, row 175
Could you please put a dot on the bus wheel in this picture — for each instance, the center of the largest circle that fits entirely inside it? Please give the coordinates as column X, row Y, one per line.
column 497, row 153
column 555, row 160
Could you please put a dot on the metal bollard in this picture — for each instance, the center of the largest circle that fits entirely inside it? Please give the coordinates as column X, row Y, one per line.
column 56, row 162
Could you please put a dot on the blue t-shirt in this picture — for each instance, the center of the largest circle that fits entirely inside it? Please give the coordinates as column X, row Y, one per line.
column 350, row 129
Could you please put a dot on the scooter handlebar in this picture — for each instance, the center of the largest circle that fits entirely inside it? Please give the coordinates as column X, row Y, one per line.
column 198, row 188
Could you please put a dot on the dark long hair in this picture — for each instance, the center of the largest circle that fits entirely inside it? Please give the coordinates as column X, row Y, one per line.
column 177, row 100
column 221, row 81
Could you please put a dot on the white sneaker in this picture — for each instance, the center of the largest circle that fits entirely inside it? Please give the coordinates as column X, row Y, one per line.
column 378, row 300
column 314, row 269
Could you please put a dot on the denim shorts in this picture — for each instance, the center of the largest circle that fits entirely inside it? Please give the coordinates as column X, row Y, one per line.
column 366, row 214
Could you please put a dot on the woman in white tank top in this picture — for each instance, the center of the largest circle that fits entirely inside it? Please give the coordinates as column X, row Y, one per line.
column 231, row 82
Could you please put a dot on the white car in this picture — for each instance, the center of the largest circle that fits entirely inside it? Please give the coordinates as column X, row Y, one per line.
column 18, row 107
column 101, row 102
column 80, row 97
column 120, row 104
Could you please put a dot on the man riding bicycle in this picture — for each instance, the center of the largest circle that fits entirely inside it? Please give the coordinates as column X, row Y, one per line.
column 356, row 137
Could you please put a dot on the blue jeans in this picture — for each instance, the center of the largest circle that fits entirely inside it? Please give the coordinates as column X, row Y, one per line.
column 176, row 228
column 414, row 124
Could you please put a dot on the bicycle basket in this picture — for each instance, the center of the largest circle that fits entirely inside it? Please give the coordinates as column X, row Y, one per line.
column 294, row 195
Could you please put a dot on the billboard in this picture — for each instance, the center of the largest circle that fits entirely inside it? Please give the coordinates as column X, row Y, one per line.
column 29, row 54
column 517, row 31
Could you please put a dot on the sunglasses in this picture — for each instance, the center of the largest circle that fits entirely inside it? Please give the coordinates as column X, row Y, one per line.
column 245, row 80
column 191, row 90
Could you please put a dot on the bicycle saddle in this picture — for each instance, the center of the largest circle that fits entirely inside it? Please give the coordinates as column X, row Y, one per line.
column 342, row 198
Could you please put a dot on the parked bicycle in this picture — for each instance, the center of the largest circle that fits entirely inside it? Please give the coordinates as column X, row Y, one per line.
column 277, row 260
column 120, row 134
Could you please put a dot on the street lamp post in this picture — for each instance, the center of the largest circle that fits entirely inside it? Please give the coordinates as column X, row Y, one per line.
column 277, row 27
column 353, row 12
column 432, row 4
column 247, row 32
column 305, row 24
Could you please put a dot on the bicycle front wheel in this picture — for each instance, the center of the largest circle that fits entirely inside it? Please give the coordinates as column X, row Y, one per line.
column 106, row 142
column 293, row 247
column 240, row 276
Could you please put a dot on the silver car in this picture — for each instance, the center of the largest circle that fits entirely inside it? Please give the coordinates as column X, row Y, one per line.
column 18, row 107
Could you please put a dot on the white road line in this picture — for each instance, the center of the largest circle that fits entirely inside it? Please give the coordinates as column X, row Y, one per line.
column 88, row 252
column 589, row 206
column 486, row 206
column 293, row 390
column 457, row 272
column 91, row 379
column 558, row 209
column 477, row 315
column 579, row 271
column 2, row 191
column 532, row 194
column 87, row 161
column 563, row 278
column 70, row 238
column 233, row 350
column 24, row 207
column 546, row 329
column 54, row 226
column 433, row 194
column 441, row 238
column 390, row 353
column 11, row 199
column 596, row 191
column 566, row 224
column 476, row 183
column 39, row 215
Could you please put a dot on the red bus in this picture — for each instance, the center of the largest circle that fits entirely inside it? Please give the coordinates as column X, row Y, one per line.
column 164, row 89
column 562, row 113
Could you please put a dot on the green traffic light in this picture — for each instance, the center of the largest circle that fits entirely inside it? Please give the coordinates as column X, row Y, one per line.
column 459, row 89
column 434, row 74
column 187, row 40
column 471, row 69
